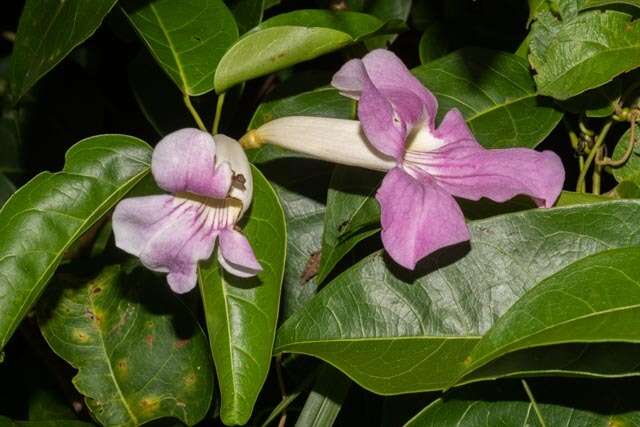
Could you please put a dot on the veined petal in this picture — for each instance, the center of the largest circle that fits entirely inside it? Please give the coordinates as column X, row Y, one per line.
column 168, row 234
column 235, row 254
column 334, row 140
column 184, row 161
column 466, row 169
column 418, row 218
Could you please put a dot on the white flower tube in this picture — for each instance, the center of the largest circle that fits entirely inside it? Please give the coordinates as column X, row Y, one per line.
column 334, row 140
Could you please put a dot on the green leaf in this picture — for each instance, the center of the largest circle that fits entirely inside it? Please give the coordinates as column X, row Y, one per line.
column 584, row 52
column 48, row 30
column 325, row 399
column 495, row 93
column 506, row 404
column 596, row 299
column 396, row 332
column 140, row 353
column 433, row 43
column 588, row 4
column 186, row 38
column 49, row 213
column 323, row 102
column 352, row 215
column 248, row 14
column 291, row 38
column 630, row 171
column 241, row 314
column 299, row 184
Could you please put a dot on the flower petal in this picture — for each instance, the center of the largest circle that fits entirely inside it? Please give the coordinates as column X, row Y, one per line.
column 382, row 126
column 229, row 151
column 418, row 218
column 394, row 80
column 235, row 254
column 466, row 169
column 169, row 234
column 184, row 161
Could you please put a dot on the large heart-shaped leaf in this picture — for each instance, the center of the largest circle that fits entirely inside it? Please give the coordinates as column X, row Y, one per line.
column 495, row 93
column 44, row 217
column 139, row 352
column 395, row 332
column 290, row 38
column 241, row 314
column 584, row 52
column 187, row 38
column 596, row 299
column 47, row 32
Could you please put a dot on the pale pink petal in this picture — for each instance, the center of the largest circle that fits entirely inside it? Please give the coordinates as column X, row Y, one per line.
column 235, row 254
column 169, row 234
column 466, row 169
column 418, row 218
column 184, row 161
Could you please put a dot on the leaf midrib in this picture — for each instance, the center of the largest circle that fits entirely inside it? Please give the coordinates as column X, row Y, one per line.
column 112, row 375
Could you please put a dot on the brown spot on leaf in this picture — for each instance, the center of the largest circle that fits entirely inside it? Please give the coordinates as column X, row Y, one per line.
column 311, row 268
column 181, row 343
column 149, row 339
column 122, row 367
column 190, row 379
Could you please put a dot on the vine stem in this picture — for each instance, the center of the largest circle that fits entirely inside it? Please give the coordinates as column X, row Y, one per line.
column 194, row 112
column 216, row 119
column 592, row 154
column 621, row 161
column 533, row 403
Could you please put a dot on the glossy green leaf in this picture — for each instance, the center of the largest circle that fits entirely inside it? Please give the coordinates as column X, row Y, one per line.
column 433, row 43
column 325, row 399
column 353, row 214
column 322, row 102
column 630, row 171
column 535, row 7
column 300, row 184
column 49, row 213
column 507, row 405
column 396, row 332
column 187, row 38
column 140, row 353
column 583, row 53
column 496, row 94
column 291, row 38
column 587, row 4
column 241, row 314
column 248, row 13
column 47, row 32
column 596, row 299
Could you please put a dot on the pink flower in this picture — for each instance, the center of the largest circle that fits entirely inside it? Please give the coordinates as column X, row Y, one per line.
column 426, row 165
column 211, row 182
column 419, row 214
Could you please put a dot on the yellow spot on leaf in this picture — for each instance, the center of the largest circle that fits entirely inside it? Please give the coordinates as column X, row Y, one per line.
column 149, row 404
column 80, row 335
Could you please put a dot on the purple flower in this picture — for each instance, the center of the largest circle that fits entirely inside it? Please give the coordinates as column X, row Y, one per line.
column 211, row 182
column 426, row 165
column 419, row 214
